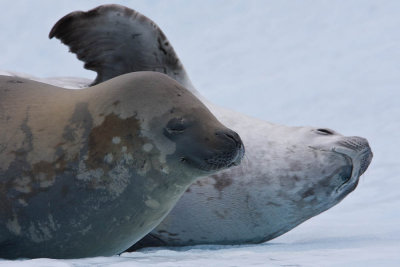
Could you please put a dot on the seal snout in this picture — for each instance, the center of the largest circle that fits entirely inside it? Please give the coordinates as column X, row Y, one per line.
column 233, row 145
column 358, row 149
column 227, row 150
column 231, row 138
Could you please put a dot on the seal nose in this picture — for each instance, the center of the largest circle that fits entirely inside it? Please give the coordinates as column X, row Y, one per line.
column 358, row 149
column 233, row 136
column 230, row 137
column 234, row 143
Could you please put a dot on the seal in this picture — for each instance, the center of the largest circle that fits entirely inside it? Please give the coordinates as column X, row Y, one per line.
column 89, row 172
column 291, row 173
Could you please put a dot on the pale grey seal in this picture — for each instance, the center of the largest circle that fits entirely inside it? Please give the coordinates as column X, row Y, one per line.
column 291, row 173
column 89, row 172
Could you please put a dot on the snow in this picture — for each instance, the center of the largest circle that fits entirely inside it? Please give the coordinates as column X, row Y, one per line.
column 323, row 63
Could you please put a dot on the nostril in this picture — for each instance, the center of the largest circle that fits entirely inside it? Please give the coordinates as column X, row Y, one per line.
column 230, row 136
column 234, row 137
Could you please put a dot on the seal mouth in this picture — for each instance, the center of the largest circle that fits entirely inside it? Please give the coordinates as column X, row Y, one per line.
column 239, row 156
column 219, row 161
column 357, row 152
column 227, row 159
column 360, row 159
column 227, row 151
column 345, row 176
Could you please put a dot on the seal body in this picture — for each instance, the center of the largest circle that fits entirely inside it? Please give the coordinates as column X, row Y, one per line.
column 89, row 172
column 289, row 174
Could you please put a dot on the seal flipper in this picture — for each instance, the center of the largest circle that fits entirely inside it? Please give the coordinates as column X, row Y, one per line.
column 113, row 40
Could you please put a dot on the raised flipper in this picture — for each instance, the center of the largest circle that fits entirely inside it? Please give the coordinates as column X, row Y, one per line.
column 113, row 40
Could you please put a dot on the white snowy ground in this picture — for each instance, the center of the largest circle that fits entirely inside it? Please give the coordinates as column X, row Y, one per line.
column 327, row 63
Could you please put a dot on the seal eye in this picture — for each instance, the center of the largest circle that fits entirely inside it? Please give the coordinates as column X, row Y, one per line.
column 176, row 126
column 324, row 131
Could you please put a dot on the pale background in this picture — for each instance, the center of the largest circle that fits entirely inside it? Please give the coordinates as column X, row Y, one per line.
column 332, row 64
